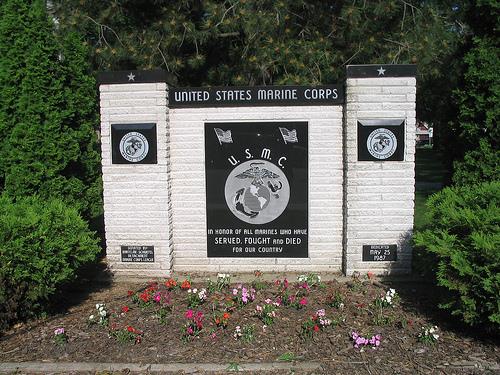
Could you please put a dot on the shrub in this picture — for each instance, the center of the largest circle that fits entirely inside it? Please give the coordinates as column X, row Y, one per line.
column 461, row 242
column 42, row 245
column 480, row 165
column 48, row 110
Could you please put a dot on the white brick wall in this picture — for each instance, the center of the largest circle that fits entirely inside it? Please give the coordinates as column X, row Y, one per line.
column 325, row 188
column 379, row 195
column 136, row 196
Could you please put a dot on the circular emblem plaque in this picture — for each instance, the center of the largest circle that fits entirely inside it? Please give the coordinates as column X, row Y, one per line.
column 134, row 147
column 381, row 143
column 257, row 191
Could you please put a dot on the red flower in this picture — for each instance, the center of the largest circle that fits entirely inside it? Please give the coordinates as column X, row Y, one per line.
column 186, row 284
column 303, row 301
column 316, row 328
column 130, row 329
column 370, row 275
column 171, row 283
column 130, row 293
column 285, row 283
column 145, row 296
column 125, row 309
column 226, row 316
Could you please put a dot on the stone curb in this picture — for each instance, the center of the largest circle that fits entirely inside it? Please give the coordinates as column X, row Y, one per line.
column 44, row 367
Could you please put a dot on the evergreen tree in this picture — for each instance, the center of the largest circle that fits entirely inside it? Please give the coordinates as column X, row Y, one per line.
column 254, row 42
column 475, row 128
column 48, row 110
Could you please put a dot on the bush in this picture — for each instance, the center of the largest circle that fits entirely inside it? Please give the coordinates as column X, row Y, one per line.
column 480, row 165
column 48, row 110
column 461, row 243
column 42, row 244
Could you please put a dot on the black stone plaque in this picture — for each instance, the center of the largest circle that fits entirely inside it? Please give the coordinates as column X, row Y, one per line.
column 380, row 253
column 381, row 140
column 135, row 76
column 138, row 254
column 183, row 97
column 381, row 71
column 257, row 189
column 133, row 143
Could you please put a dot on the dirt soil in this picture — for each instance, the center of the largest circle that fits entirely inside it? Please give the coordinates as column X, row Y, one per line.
column 457, row 350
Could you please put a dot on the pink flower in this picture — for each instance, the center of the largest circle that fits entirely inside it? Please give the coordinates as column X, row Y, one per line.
column 59, row 331
column 268, row 301
column 189, row 330
column 258, row 308
column 320, row 312
column 157, row 297
column 235, row 292
column 189, row 314
column 303, row 301
column 285, row 283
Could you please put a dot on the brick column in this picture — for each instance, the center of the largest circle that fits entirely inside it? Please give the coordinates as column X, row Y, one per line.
column 379, row 194
column 136, row 195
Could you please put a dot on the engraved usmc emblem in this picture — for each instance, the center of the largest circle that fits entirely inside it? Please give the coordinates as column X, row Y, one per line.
column 134, row 147
column 257, row 191
column 381, row 143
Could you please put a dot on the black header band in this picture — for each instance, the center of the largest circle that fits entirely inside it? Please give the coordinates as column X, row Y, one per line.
column 256, row 96
column 134, row 76
column 381, row 71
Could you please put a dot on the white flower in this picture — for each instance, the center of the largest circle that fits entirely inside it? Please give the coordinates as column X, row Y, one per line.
column 195, row 290
column 319, row 278
column 91, row 317
column 102, row 313
column 302, row 278
column 341, row 305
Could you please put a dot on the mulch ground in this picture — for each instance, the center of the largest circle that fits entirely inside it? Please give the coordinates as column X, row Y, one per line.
column 400, row 352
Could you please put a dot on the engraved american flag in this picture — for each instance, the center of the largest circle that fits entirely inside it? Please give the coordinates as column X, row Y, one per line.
column 223, row 136
column 289, row 136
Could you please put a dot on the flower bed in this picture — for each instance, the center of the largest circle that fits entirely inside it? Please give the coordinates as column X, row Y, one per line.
column 179, row 320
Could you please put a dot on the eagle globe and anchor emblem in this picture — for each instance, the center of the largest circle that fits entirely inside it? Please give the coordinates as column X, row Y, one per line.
column 257, row 191
column 134, row 147
column 381, row 143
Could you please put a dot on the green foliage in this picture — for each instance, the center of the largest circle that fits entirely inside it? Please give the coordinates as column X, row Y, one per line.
column 48, row 110
column 481, row 164
column 239, row 42
column 42, row 244
column 460, row 243
column 478, row 98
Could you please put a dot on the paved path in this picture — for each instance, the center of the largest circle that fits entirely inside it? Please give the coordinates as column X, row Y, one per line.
column 186, row 368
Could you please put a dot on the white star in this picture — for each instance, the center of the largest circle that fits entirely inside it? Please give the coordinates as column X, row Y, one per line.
column 381, row 71
column 131, row 77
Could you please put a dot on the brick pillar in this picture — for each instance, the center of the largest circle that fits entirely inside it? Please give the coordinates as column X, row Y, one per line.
column 379, row 181
column 134, row 105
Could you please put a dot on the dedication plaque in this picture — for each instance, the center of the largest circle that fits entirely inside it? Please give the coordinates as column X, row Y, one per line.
column 379, row 253
column 138, row 254
column 133, row 143
column 381, row 140
column 257, row 189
